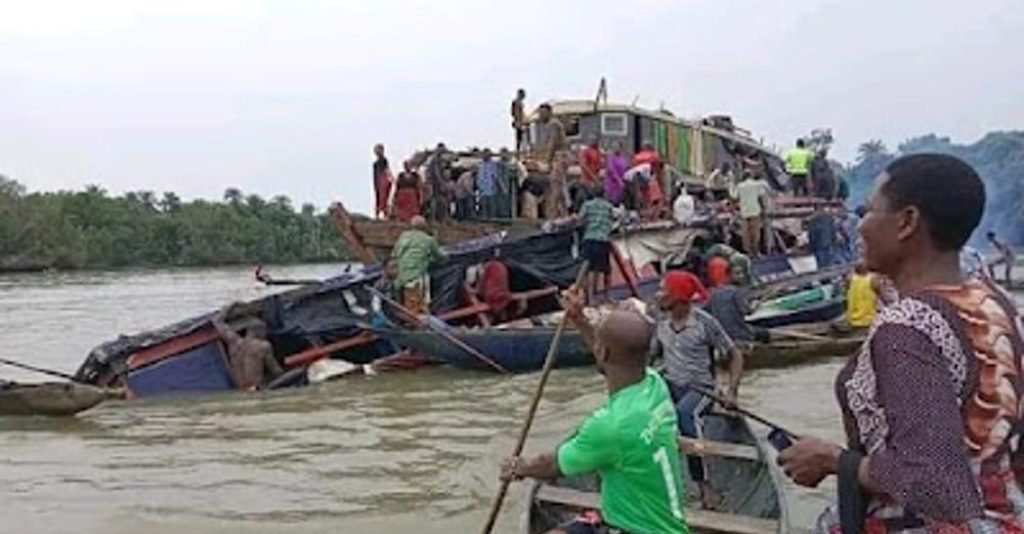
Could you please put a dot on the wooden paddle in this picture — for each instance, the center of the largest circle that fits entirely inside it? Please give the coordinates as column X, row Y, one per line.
column 430, row 326
column 800, row 335
column 28, row 367
column 549, row 363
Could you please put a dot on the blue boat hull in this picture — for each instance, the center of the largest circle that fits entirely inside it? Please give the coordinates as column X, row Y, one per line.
column 517, row 350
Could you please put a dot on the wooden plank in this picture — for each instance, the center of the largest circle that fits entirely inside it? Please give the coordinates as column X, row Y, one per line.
column 343, row 223
column 702, row 447
column 315, row 353
column 695, row 518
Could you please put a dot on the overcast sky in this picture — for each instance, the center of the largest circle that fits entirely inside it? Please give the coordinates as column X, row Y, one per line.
column 288, row 96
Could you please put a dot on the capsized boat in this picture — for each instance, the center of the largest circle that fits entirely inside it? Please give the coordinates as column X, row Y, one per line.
column 739, row 468
column 49, row 398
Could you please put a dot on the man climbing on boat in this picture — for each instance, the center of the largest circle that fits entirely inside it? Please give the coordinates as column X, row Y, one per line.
column 598, row 218
column 251, row 358
column 688, row 338
column 414, row 251
column 630, row 440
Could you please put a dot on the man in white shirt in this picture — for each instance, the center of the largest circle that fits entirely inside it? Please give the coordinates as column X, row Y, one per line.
column 684, row 208
column 753, row 195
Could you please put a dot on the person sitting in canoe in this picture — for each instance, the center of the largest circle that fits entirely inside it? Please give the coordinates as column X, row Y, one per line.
column 251, row 358
column 630, row 440
column 687, row 338
column 931, row 404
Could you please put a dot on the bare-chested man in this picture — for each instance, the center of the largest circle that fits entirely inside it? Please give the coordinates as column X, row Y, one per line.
column 251, row 357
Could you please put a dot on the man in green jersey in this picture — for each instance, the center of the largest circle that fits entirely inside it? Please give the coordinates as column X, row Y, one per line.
column 630, row 441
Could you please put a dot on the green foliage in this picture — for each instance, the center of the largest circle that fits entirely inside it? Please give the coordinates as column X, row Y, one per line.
column 90, row 228
column 998, row 157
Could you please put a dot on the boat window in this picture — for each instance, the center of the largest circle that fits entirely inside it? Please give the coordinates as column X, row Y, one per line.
column 614, row 124
column 571, row 123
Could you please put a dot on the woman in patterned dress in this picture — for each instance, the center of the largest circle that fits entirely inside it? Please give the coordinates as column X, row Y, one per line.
column 932, row 403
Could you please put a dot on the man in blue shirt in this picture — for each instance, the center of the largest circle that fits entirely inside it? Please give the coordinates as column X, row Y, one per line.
column 487, row 174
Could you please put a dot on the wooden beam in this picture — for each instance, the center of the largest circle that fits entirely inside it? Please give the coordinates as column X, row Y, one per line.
column 695, row 518
column 628, row 272
column 343, row 223
column 701, row 447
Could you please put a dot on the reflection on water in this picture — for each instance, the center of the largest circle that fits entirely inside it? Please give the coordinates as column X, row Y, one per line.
column 413, row 452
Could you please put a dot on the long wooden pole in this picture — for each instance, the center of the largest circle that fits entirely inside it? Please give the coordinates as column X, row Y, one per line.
column 28, row 367
column 549, row 363
column 427, row 324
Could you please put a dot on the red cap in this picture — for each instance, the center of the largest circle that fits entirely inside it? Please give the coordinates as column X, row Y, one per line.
column 684, row 286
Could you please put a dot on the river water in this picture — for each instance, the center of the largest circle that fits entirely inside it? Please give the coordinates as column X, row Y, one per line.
column 414, row 452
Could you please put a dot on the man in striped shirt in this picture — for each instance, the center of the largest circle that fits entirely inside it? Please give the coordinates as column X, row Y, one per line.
column 688, row 339
column 597, row 218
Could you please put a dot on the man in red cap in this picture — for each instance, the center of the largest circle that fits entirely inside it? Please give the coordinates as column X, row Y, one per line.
column 688, row 338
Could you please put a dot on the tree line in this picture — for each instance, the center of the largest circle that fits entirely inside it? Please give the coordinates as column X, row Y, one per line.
column 93, row 229
column 998, row 157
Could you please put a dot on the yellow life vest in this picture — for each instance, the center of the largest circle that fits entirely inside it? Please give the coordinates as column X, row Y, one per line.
column 798, row 161
column 861, row 301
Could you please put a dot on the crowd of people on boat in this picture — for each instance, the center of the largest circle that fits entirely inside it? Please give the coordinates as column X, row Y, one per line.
column 443, row 185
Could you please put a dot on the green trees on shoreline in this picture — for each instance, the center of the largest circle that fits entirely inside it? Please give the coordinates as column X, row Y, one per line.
column 92, row 229
column 998, row 157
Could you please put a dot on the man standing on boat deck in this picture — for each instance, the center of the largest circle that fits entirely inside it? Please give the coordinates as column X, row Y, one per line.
column 487, row 177
column 630, row 441
column 437, row 177
column 822, row 236
column 688, row 339
column 519, row 125
column 251, row 357
column 753, row 195
column 414, row 251
column 552, row 134
column 798, row 166
column 598, row 217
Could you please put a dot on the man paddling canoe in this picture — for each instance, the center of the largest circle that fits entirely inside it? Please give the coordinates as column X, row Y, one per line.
column 630, row 440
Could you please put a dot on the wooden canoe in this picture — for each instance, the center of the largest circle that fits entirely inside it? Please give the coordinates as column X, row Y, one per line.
column 49, row 398
column 518, row 350
column 739, row 469
column 522, row 350
column 786, row 352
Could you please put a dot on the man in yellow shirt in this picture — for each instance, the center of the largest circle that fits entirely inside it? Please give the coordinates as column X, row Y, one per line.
column 798, row 166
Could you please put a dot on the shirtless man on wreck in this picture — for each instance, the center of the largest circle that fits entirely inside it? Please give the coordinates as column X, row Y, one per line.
column 250, row 357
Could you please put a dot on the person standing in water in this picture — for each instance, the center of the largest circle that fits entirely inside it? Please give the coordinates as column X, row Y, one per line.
column 251, row 358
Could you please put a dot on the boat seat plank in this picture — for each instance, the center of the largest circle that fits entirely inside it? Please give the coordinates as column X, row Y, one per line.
column 702, row 447
column 696, row 518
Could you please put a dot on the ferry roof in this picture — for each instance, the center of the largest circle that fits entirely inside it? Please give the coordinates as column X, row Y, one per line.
column 586, row 107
